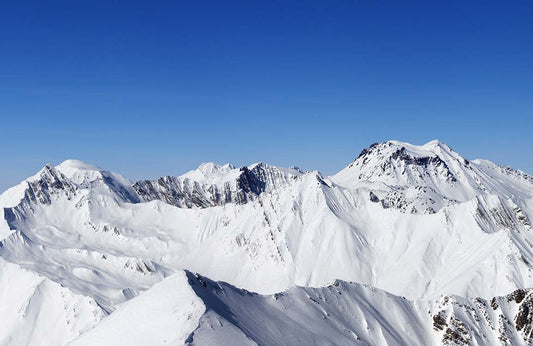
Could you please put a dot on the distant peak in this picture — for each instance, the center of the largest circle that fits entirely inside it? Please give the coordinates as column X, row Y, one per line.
column 433, row 143
column 428, row 146
column 47, row 170
column 401, row 163
column 211, row 168
column 431, row 148
column 209, row 171
column 77, row 164
column 437, row 145
column 82, row 173
column 257, row 164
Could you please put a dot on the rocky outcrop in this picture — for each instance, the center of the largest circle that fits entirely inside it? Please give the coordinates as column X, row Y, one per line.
column 238, row 186
column 47, row 183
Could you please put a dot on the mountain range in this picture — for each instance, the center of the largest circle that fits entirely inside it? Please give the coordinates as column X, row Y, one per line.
column 407, row 245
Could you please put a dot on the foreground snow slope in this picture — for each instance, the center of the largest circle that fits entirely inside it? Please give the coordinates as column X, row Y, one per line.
column 348, row 313
column 166, row 314
column 187, row 308
column 416, row 221
column 38, row 311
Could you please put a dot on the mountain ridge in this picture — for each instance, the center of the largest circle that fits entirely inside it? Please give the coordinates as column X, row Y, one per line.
column 415, row 221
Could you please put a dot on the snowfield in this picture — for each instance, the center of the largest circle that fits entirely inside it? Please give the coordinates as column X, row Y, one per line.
column 408, row 245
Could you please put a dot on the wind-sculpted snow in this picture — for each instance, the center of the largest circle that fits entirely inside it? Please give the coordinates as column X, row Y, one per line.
column 345, row 313
column 191, row 309
column 416, row 221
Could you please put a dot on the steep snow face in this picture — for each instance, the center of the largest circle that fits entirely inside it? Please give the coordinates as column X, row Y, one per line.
column 348, row 313
column 209, row 172
column 191, row 309
column 87, row 176
column 340, row 314
column 166, row 314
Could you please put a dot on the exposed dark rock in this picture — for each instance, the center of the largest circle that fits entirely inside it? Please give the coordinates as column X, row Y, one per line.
column 373, row 197
column 439, row 322
column 249, row 183
column 49, row 183
column 456, row 334
column 401, row 154
column 367, row 150
column 494, row 304
column 517, row 296
column 186, row 193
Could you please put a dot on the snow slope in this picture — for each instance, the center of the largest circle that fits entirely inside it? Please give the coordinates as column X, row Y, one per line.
column 38, row 311
column 346, row 313
column 415, row 221
column 165, row 314
column 191, row 309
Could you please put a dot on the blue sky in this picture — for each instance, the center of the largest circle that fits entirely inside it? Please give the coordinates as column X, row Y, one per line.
column 149, row 89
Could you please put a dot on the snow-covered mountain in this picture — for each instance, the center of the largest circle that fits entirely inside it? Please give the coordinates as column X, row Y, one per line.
column 211, row 185
column 343, row 313
column 419, row 222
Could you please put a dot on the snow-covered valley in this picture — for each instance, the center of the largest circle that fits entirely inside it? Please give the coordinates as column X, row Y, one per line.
column 408, row 245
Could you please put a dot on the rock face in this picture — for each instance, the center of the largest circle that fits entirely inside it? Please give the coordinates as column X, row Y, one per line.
column 50, row 182
column 419, row 222
column 393, row 161
column 500, row 320
column 424, row 179
column 212, row 185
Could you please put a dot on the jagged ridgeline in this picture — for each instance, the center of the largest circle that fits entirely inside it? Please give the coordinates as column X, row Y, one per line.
column 213, row 185
column 419, row 222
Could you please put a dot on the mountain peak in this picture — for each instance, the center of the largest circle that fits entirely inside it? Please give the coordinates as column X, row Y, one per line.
column 208, row 171
column 209, row 167
column 431, row 144
column 396, row 163
column 87, row 175
column 80, row 172
column 402, row 150
column 48, row 173
column 435, row 143
column 432, row 148
column 71, row 164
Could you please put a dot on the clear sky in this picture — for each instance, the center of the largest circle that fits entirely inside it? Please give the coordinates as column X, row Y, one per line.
column 156, row 88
